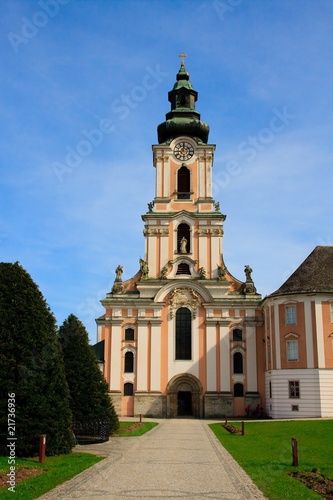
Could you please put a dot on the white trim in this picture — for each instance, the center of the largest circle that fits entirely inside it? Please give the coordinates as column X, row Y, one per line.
column 320, row 333
column 224, row 358
column 308, row 334
column 251, row 359
column 211, row 356
column 142, row 342
column 277, row 337
column 115, row 358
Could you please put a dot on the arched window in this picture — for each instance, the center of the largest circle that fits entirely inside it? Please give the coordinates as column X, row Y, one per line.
column 238, row 390
column 183, row 231
column 183, row 268
column 183, row 333
column 237, row 335
column 238, row 362
column 183, row 183
column 129, row 334
column 129, row 362
column 128, row 389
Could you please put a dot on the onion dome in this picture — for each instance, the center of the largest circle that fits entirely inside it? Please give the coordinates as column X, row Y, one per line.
column 182, row 119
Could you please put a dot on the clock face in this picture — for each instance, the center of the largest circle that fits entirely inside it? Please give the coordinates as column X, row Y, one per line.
column 183, row 151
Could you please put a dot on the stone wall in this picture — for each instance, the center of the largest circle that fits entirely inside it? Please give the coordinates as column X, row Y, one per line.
column 150, row 404
column 218, row 405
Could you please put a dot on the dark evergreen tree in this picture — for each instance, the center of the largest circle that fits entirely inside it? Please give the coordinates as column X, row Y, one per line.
column 88, row 388
column 31, row 368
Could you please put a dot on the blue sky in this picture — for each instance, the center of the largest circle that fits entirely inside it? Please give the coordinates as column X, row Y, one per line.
column 83, row 87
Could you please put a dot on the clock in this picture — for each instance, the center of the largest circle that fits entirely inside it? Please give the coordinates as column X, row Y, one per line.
column 183, row 150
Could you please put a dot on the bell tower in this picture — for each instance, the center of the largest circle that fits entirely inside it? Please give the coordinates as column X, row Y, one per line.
column 181, row 335
column 184, row 226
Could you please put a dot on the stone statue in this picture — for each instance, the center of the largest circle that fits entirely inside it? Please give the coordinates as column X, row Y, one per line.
column 183, row 244
column 202, row 273
column 221, row 272
column 150, row 206
column 248, row 271
column 119, row 273
column 217, row 206
column 164, row 272
column 144, row 268
column 117, row 288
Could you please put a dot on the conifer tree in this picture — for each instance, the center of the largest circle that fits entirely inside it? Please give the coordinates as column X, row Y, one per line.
column 88, row 388
column 31, row 369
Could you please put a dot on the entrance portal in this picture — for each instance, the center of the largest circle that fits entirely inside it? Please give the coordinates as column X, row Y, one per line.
column 184, row 397
column 184, row 403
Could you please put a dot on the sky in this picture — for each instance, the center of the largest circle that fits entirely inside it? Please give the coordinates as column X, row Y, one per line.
column 83, row 86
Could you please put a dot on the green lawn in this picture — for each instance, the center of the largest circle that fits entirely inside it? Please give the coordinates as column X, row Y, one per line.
column 265, row 454
column 138, row 431
column 57, row 469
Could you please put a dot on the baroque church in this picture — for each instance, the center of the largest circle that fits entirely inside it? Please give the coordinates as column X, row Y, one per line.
column 184, row 337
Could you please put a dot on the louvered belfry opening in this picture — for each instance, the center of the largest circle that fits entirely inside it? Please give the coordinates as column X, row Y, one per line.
column 183, row 268
column 183, row 183
column 183, row 231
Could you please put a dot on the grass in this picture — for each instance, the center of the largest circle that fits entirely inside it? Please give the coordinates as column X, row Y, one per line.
column 265, row 454
column 57, row 469
column 135, row 431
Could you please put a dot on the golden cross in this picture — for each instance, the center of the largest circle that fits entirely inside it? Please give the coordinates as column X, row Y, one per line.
column 182, row 55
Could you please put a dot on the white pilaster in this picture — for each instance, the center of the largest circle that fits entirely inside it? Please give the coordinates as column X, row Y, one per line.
column 320, row 336
column 308, row 335
column 155, row 356
column 224, row 358
column 115, row 358
column 251, row 359
column 277, row 337
column 142, row 357
column 211, row 356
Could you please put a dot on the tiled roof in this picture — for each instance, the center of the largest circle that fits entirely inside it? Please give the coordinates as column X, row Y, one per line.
column 315, row 274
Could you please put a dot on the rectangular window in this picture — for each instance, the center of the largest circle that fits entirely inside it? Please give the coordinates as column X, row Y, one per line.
column 291, row 315
column 294, row 408
column 292, row 350
column 294, row 388
column 270, row 389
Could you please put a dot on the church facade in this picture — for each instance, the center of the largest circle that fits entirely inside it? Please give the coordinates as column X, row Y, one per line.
column 184, row 337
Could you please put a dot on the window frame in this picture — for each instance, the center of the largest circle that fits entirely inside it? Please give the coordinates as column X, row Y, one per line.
column 239, row 363
column 126, row 367
column 291, row 314
column 234, row 335
column 183, row 352
column 294, row 389
column 183, row 180
column 290, row 350
column 127, row 329
column 127, row 384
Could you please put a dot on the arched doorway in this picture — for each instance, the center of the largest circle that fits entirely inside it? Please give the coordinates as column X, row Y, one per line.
column 184, row 397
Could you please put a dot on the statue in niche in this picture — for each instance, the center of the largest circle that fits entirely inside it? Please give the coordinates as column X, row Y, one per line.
column 221, row 272
column 150, row 206
column 183, row 244
column 248, row 271
column 202, row 273
column 144, row 268
column 164, row 272
column 119, row 273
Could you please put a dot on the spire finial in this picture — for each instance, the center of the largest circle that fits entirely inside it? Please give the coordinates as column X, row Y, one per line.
column 182, row 55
